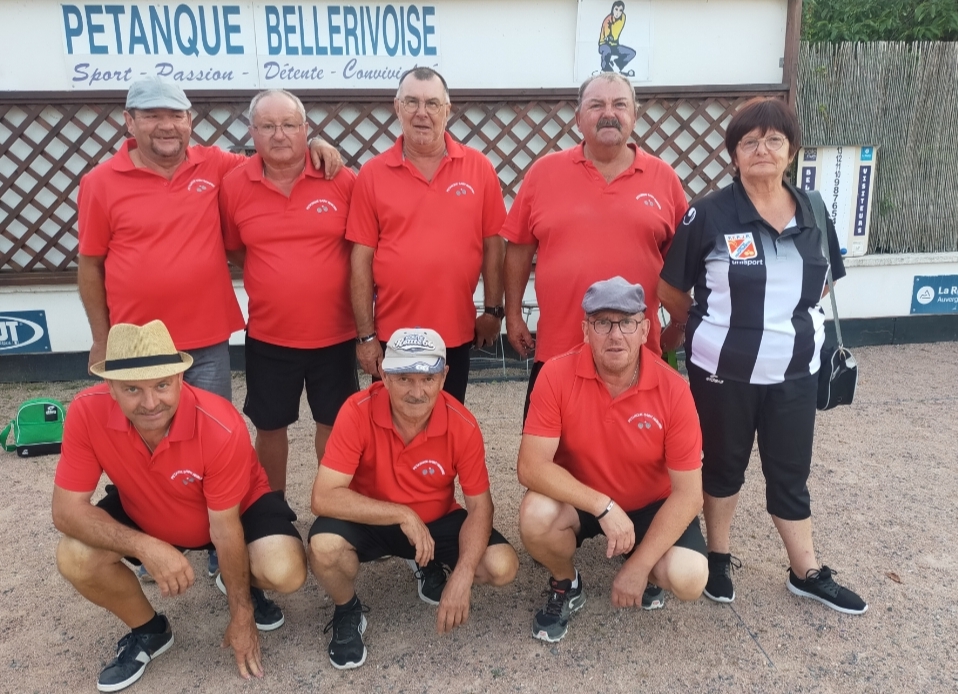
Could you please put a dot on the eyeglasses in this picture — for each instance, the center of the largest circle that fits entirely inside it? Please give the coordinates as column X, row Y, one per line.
column 411, row 105
column 627, row 326
column 269, row 129
column 773, row 143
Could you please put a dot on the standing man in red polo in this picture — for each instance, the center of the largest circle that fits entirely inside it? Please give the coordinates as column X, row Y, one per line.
column 152, row 209
column 386, row 486
column 285, row 225
column 600, row 209
column 424, row 220
column 612, row 447
column 183, row 476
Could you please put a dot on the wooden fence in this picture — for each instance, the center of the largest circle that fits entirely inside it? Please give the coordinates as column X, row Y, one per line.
column 903, row 99
column 48, row 143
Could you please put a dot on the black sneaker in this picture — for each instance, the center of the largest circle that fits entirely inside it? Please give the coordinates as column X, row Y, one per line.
column 266, row 613
column 346, row 648
column 719, row 586
column 551, row 623
column 653, row 598
column 431, row 579
column 133, row 653
column 818, row 585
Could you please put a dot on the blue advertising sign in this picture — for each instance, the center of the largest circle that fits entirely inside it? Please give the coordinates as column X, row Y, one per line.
column 24, row 331
column 935, row 294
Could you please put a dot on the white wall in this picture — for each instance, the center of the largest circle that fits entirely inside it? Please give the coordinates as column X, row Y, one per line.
column 876, row 286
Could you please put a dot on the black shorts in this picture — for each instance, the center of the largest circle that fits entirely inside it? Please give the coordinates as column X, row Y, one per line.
column 783, row 416
column 642, row 518
column 533, row 376
column 275, row 376
column 374, row 541
column 269, row 515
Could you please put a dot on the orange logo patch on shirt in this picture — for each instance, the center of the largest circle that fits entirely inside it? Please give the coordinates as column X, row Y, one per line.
column 741, row 246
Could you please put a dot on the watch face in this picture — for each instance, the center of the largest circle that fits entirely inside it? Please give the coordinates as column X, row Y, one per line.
column 497, row 311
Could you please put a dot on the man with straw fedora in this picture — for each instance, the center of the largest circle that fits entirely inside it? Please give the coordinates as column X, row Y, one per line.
column 184, row 476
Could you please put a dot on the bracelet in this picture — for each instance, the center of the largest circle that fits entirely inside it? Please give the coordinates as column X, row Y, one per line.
column 680, row 326
column 607, row 509
column 366, row 338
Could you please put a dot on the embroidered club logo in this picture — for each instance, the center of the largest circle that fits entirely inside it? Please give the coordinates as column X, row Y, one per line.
column 648, row 200
column 428, row 467
column 461, row 188
column 189, row 477
column 200, row 185
column 689, row 217
column 644, row 420
column 322, row 206
column 741, row 246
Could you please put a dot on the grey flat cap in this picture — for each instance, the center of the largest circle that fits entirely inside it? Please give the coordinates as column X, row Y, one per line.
column 615, row 294
column 153, row 93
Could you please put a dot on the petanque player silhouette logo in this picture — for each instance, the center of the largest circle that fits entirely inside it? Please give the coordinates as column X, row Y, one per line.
column 614, row 55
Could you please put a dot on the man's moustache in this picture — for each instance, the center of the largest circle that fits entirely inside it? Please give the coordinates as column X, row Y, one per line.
column 608, row 123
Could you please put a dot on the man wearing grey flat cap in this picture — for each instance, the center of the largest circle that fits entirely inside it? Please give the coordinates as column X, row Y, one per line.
column 151, row 246
column 386, row 486
column 612, row 447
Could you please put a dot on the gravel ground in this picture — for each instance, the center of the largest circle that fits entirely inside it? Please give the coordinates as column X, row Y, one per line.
column 883, row 488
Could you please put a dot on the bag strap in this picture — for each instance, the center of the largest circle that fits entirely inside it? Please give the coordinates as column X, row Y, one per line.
column 821, row 217
column 3, row 438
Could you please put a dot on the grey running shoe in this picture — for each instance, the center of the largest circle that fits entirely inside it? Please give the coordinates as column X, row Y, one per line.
column 212, row 563
column 347, row 650
column 431, row 580
column 552, row 622
column 819, row 585
column 133, row 653
column 653, row 598
column 719, row 586
column 266, row 613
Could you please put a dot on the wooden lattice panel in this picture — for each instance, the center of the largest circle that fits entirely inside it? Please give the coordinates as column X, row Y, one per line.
column 45, row 150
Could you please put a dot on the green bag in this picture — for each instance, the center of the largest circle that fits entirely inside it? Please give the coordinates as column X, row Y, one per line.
column 37, row 428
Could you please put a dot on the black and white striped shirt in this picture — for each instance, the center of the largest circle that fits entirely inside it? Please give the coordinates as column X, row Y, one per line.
column 756, row 315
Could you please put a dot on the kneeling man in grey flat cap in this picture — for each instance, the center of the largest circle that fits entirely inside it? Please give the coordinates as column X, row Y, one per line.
column 612, row 447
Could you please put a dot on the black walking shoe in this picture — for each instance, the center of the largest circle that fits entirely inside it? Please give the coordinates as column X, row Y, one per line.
column 431, row 580
column 133, row 653
column 266, row 613
column 719, row 586
column 346, row 648
column 653, row 598
column 818, row 585
column 552, row 622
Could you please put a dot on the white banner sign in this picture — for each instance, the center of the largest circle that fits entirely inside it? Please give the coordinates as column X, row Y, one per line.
column 247, row 46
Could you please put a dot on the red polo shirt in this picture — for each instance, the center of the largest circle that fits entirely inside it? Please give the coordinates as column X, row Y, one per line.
column 164, row 251
column 428, row 237
column 588, row 230
column 623, row 447
column 364, row 443
column 297, row 257
column 206, row 462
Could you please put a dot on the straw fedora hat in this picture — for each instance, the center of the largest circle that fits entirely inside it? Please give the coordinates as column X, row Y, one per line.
column 135, row 353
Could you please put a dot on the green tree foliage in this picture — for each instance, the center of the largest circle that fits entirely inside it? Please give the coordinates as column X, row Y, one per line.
column 879, row 20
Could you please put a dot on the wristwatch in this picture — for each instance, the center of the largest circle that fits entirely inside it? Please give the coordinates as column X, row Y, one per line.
column 497, row 311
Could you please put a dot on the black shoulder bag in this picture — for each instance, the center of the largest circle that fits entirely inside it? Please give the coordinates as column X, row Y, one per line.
column 838, row 375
